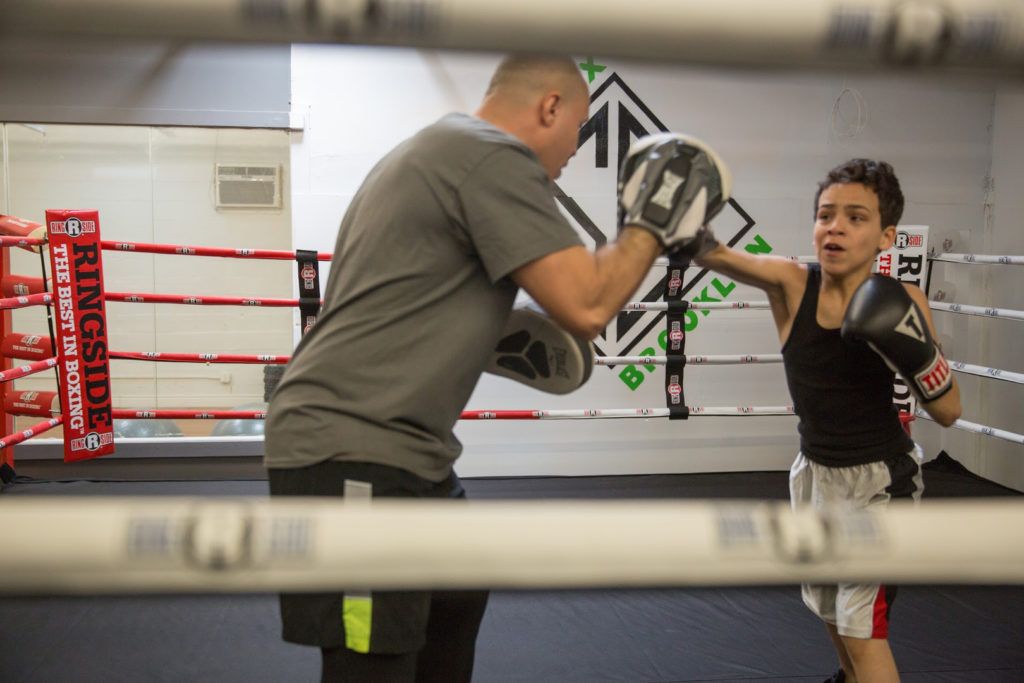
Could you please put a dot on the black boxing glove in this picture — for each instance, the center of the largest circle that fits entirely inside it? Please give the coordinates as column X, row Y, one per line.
column 883, row 315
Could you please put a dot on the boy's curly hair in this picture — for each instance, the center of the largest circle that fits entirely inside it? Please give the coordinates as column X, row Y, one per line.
column 877, row 175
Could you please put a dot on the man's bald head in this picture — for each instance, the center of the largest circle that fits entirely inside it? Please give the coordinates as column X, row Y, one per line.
column 542, row 101
column 521, row 78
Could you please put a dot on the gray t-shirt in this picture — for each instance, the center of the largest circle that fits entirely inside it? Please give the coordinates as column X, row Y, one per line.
column 417, row 298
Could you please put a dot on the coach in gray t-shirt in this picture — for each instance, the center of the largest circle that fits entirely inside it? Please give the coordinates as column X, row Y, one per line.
column 418, row 295
column 429, row 257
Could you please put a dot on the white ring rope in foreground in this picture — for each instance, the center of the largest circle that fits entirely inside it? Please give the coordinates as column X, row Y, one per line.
column 691, row 360
column 979, row 429
column 983, row 311
column 622, row 413
column 840, row 33
column 132, row 545
column 979, row 259
column 991, row 373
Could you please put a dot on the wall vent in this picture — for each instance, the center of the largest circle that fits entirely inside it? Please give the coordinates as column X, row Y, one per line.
column 248, row 187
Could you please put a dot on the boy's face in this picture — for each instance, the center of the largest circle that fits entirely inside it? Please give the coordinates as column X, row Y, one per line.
column 848, row 231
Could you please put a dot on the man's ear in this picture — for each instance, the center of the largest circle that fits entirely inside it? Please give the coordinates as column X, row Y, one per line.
column 549, row 106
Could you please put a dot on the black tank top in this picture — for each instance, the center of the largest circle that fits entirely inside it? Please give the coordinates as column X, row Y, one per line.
column 842, row 391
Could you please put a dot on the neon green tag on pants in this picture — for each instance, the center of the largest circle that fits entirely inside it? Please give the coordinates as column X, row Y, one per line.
column 357, row 616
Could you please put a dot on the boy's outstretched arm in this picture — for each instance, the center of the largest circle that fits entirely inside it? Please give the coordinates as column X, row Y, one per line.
column 782, row 279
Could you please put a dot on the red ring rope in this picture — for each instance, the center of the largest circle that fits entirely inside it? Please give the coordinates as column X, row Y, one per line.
column 223, row 252
column 193, row 300
column 12, row 302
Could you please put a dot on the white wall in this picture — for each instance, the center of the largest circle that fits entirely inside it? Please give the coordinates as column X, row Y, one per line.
column 779, row 133
column 1001, row 402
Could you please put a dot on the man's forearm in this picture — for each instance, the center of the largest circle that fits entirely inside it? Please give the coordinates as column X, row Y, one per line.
column 621, row 268
column 583, row 290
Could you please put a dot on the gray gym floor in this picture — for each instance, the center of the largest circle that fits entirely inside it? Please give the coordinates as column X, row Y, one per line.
column 939, row 633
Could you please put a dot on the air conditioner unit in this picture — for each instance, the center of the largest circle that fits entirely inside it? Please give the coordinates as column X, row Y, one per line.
column 248, row 187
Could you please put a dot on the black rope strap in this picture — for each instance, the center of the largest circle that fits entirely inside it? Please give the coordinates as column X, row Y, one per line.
column 308, row 271
column 675, row 342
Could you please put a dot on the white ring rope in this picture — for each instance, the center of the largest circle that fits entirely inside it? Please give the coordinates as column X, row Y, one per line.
column 624, row 413
column 977, row 259
column 983, row 311
column 980, row 429
column 694, row 305
column 690, row 360
column 745, row 359
column 662, row 261
column 980, row 259
column 132, row 545
column 982, row 371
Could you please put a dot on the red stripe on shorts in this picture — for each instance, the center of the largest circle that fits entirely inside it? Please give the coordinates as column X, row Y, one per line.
column 880, row 620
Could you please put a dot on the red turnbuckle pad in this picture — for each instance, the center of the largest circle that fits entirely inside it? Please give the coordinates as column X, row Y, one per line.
column 21, row 285
column 19, row 227
column 27, row 346
column 39, row 403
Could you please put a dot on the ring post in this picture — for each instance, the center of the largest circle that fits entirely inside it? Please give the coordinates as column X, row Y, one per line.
column 6, row 420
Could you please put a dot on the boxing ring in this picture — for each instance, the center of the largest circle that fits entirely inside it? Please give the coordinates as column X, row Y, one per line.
column 199, row 545
column 178, row 546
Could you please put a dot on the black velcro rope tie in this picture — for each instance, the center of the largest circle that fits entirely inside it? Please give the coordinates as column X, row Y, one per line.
column 675, row 360
column 674, row 279
column 309, row 287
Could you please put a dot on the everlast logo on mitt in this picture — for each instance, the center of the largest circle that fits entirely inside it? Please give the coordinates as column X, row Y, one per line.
column 75, row 259
column 559, row 355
